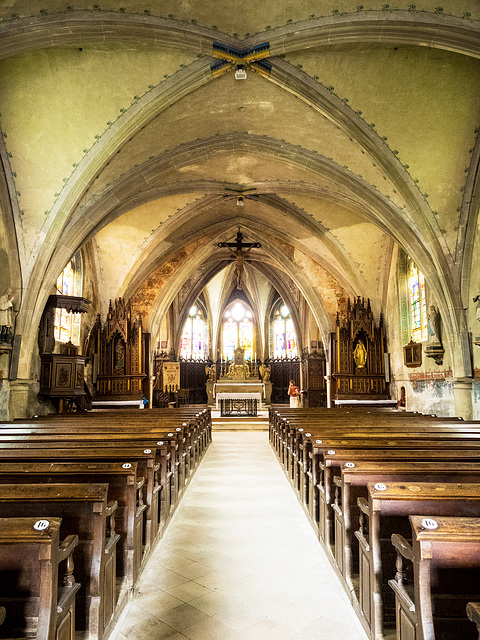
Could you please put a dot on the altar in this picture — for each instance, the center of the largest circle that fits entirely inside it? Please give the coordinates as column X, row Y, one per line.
column 239, row 390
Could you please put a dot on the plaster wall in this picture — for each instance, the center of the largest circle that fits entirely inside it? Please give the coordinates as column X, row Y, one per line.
column 429, row 388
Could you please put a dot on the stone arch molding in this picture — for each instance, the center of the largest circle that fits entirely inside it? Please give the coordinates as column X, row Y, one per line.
column 204, row 257
column 77, row 28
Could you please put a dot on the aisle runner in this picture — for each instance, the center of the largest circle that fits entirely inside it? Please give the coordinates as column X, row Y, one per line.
column 239, row 561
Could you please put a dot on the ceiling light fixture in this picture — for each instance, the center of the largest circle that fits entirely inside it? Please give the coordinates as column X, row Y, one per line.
column 240, row 73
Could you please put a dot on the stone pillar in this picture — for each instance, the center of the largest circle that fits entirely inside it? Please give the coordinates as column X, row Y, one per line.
column 328, row 380
column 462, row 397
column 268, row 393
column 209, row 387
column 23, row 400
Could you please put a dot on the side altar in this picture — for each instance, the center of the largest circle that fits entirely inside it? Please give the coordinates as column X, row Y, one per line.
column 239, row 381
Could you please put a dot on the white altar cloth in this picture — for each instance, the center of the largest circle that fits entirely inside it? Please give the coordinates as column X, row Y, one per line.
column 245, row 395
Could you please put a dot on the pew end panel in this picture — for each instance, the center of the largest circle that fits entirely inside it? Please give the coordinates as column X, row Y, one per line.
column 38, row 585
column 84, row 509
column 446, row 554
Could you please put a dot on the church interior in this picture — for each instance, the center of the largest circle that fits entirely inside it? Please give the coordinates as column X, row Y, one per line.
column 265, row 217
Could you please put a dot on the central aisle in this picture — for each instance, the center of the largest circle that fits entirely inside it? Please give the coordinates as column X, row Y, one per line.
column 239, row 560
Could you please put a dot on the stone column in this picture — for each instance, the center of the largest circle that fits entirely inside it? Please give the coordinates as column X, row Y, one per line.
column 209, row 387
column 328, row 380
column 23, row 400
column 268, row 393
column 462, row 397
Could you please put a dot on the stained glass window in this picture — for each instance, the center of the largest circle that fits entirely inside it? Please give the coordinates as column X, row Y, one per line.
column 238, row 331
column 69, row 283
column 418, row 302
column 193, row 343
column 284, row 334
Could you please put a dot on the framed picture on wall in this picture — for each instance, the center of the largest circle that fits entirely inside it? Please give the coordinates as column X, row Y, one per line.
column 412, row 354
column 164, row 344
column 313, row 344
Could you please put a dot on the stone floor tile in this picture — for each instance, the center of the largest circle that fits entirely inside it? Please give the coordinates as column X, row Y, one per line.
column 271, row 629
column 214, row 580
column 182, row 617
column 212, row 629
column 157, row 602
column 193, row 570
column 212, row 603
column 189, row 591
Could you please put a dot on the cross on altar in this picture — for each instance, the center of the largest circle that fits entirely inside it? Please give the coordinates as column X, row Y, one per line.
column 242, row 249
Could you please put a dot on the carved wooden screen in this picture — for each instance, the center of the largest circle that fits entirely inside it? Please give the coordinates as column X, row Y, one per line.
column 193, row 377
column 121, row 347
column 358, row 366
column 283, row 370
column 313, row 374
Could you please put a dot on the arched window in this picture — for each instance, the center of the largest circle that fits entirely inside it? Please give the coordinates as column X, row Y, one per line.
column 284, row 334
column 193, row 343
column 418, row 302
column 238, row 330
column 69, row 283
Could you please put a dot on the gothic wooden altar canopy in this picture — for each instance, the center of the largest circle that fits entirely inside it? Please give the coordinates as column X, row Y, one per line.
column 358, row 354
column 120, row 351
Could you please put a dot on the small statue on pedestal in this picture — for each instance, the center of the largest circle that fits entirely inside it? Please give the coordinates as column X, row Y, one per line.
column 434, row 348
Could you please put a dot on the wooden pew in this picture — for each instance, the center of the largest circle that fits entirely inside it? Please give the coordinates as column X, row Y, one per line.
column 172, row 441
column 352, row 484
column 125, row 455
column 125, row 486
column 36, row 587
column 328, row 462
column 169, row 457
column 196, row 432
column 386, row 512
column 435, row 578
column 84, row 509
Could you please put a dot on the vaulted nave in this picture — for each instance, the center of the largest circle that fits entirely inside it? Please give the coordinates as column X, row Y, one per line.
column 218, row 218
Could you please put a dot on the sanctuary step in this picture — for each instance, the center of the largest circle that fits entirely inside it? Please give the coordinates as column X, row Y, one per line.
column 240, row 423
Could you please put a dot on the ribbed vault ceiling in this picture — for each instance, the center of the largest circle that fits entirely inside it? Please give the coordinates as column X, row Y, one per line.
column 356, row 132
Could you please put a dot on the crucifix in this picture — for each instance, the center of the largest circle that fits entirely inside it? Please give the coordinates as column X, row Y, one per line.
column 242, row 249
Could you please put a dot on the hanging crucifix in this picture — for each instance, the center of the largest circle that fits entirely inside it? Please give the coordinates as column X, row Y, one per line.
column 242, row 249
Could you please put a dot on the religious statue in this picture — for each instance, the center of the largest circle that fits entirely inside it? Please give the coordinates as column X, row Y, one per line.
column 265, row 372
column 239, row 368
column 6, row 306
column 433, row 327
column 239, row 263
column 119, row 356
column 211, row 373
column 239, row 251
column 360, row 355
column 477, row 300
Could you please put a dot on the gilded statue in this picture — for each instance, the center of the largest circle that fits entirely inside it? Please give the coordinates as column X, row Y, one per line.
column 239, row 369
column 211, row 373
column 265, row 372
column 360, row 355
